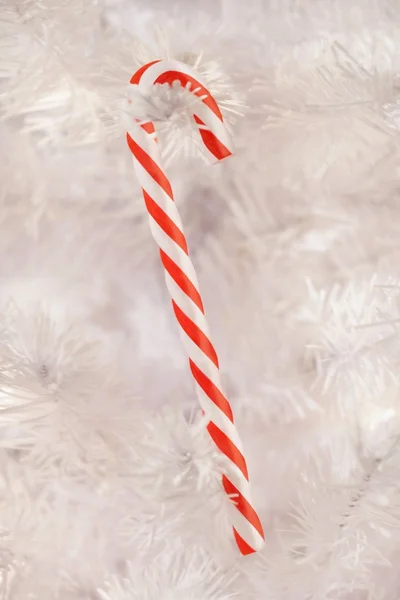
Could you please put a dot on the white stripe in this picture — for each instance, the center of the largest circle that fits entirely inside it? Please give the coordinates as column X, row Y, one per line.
column 246, row 530
column 175, row 252
column 215, row 415
column 214, row 124
column 235, row 475
column 186, row 304
column 157, row 194
column 208, row 155
column 202, row 361
column 146, row 142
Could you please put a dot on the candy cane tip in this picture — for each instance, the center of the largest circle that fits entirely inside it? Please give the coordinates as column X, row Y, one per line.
column 171, row 109
column 160, row 93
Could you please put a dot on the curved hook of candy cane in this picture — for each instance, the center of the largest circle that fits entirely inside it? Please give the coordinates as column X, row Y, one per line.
column 183, row 286
column 206, row 114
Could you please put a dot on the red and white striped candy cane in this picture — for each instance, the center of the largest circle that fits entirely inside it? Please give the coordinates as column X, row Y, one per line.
column 182, row 283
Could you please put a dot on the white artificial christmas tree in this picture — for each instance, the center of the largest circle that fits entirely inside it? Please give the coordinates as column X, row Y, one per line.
column 110, row 487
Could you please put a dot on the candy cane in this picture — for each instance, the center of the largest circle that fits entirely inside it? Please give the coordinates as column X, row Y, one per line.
column 182, row 283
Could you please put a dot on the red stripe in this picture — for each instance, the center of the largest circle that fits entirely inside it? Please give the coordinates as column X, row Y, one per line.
column 227, row 447
column 182, row 280
column 148, row 127
column 211, row 390
column 214, row 145
column 171, row 76
column 138, row 75
column 242, row 545
column 151, row 167
column 165, row 222
column 195, row 334
column 242, row 505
